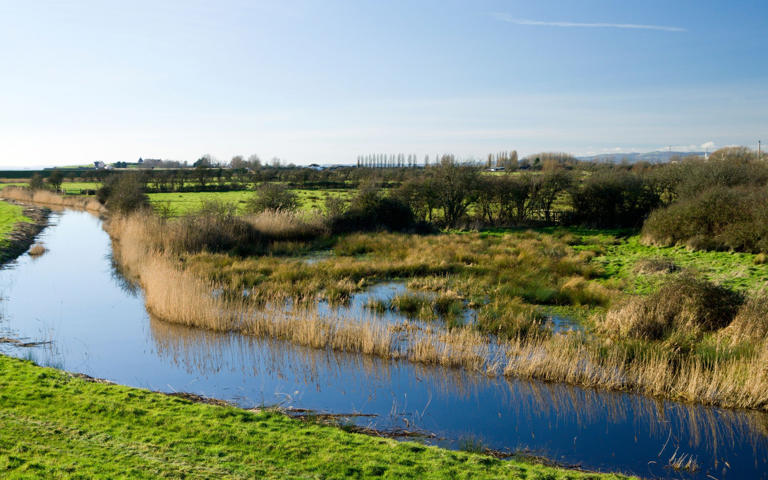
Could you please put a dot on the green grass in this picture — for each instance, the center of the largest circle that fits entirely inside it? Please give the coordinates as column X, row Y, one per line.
column 10, row 215
column 732, row 269
column 183, row 203
column 54, row 425
column 67, row 187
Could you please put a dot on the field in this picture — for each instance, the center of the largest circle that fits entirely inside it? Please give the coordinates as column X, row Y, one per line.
column 54, row 424
column 183, row 203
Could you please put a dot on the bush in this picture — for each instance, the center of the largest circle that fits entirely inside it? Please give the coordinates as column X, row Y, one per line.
column 720, row 218
column 272, row 196
column 123, row 193
column 686, row 303
column 371, row 211
column 36, row 182
column 614, row 199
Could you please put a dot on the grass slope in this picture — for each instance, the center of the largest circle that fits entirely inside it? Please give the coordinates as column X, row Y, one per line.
column 54, row 425
column 10, row 215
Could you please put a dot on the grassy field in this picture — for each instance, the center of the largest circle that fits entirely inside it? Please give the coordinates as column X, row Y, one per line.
column 619, row 257
column 182, row 203
column 10, row 215
column 54, row 425
column 67, row 187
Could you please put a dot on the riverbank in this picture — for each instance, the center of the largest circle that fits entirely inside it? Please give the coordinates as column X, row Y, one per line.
column 56, row 424
column 19, row 225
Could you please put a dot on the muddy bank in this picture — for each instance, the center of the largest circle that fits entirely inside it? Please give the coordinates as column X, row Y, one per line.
column 24, row 233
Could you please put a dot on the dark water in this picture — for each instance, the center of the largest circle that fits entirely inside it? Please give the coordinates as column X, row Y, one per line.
column 73, row 297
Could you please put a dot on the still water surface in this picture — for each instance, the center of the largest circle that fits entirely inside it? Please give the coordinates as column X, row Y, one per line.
column 97, row 325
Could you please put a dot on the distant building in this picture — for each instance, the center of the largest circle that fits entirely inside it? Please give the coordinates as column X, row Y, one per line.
column 99, row 165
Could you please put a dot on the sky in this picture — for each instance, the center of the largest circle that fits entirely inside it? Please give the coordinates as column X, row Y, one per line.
column 326, row 81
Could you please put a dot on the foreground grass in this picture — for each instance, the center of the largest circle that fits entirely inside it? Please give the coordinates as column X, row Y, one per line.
column 10, row 215
column 55, row 425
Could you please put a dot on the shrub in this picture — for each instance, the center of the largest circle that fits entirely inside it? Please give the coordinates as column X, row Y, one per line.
column 123, row 193
column 272, row 196
column 36, row 182
column 614, row 199
column 685, row 303
column 722, row 218
column 371, row 211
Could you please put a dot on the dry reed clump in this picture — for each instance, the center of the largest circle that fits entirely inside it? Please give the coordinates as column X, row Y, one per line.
column 47, row 197
column 285, row 224
column 731, row 382
column 686, row 303
column 36, row 250
column 579, row 291
column 751, row 323
column 650, row 266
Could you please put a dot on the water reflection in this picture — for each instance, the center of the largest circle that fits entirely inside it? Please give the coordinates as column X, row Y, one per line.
column 651, row 429
column 96, row 320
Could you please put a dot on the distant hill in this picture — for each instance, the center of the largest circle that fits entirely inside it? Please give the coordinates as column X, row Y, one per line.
column 660, row 156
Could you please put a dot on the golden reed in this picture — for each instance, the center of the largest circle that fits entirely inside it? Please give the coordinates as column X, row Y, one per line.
column 47, row 197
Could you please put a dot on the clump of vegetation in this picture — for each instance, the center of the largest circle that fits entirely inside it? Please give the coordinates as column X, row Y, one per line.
column 36, row 250
column 371, row 210
column 511, row 318
column 272, row 196
column 123, row 193
column 614, row 199
column 685, row 303
column 716, row 205
column 651, row 266
column 719, row 218
column 751, row 322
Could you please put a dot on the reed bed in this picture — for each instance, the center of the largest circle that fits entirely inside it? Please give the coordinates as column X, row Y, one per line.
column 46, row 197
column 180, row 291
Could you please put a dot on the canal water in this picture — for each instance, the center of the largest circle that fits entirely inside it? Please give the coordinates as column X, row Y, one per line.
column 95, row 323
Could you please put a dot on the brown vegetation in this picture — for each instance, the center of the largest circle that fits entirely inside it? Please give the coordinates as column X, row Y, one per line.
column 47, row 197
column 36, row 250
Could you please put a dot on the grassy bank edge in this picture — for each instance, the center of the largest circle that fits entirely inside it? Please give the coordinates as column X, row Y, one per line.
column 19, row 225
column 56, row 424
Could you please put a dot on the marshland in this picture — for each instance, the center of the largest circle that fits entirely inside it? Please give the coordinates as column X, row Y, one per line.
column 510, row 313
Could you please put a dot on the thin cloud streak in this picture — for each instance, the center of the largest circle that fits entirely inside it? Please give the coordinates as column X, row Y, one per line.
column 627, row 26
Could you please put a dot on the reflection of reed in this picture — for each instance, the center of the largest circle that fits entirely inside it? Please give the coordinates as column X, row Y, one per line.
column 205, row 352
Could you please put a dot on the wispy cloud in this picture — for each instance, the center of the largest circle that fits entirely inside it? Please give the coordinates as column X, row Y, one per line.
column 629, row 26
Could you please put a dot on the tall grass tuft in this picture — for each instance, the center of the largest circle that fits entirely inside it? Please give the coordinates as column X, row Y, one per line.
column 685, row 303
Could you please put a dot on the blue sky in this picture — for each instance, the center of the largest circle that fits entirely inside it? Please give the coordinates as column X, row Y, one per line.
column 324, row 81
